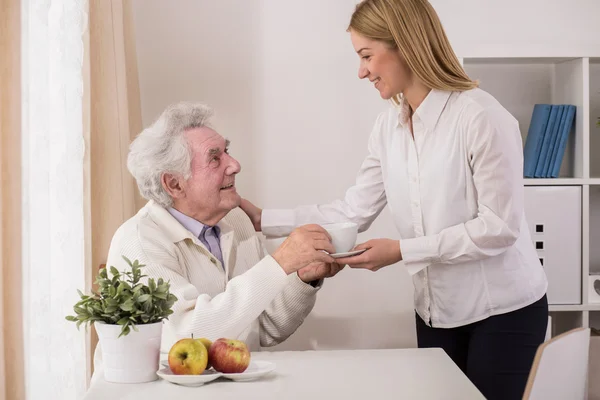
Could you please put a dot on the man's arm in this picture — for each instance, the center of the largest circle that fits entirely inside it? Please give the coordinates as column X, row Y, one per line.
column 288, row 310
column 227, row 314
column 231, row 312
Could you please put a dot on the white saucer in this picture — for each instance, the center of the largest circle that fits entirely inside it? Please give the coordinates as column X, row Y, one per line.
column 348, row 254
column 255, row 370
column 188, row 380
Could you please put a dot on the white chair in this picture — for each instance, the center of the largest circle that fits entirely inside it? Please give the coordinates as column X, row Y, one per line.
column 560, row 368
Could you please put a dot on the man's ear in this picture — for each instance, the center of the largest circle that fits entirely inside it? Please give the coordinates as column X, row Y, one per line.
column 173, row 185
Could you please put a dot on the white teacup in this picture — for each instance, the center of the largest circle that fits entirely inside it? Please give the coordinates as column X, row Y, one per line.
column 343, row 235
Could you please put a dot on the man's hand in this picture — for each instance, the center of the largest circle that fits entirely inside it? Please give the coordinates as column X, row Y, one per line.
column 380, row 253
column 319, row 270
column 303, row 247
column 253, row 212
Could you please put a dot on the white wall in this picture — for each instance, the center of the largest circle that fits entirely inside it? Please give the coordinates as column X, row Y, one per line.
column 515, row 28
column 282, row 76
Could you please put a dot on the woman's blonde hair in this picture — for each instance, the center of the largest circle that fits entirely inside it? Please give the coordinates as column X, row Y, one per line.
column 415, row 29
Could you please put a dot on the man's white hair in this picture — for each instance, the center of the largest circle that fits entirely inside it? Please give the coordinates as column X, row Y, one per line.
column 162, row 148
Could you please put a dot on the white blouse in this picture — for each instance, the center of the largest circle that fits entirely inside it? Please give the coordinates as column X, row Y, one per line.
column 455, row 192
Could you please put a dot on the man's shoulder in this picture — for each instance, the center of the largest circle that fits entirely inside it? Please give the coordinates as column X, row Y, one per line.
column 140, row 231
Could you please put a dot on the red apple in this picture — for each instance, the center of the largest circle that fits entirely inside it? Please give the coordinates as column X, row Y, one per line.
column 188, row 357
column 229, row 356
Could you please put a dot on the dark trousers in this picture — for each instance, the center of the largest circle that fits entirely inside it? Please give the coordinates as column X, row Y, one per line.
column 496, row 354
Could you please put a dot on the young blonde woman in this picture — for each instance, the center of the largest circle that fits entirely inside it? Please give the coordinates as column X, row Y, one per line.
column 446, row 158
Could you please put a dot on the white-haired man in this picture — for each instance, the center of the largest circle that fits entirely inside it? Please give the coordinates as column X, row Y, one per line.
column 192, row 233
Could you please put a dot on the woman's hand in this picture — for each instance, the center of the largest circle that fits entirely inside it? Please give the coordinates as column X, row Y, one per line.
column 380, row 253
column 253, row 212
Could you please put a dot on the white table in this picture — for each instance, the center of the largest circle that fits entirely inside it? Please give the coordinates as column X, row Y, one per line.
column 341, row 374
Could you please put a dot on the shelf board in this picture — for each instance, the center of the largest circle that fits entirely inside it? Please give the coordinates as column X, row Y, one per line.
column 561, row 181
column 516, row 60
column 574, row 307
column 557, row 181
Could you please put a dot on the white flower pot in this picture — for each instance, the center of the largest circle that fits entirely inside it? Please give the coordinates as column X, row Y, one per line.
column 133, row 358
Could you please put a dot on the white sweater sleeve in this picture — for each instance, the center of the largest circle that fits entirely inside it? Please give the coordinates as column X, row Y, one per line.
column 228, row 313
column 287, row 311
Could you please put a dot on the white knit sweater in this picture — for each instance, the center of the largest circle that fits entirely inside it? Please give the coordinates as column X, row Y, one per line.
column 251, row 298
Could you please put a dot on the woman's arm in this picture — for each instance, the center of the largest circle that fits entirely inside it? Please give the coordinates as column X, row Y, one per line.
column 362, row 203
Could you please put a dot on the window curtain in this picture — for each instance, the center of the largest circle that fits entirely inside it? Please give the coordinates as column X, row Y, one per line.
column 115, row 119
column 53, row 150
column 12, row 367
column 80, row 111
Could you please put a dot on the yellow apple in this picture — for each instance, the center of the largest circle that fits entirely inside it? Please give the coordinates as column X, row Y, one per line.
column 207, row 343
column 188, row 357
column 229, row 356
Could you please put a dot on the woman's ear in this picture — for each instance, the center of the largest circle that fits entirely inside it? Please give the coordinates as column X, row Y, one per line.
column 173, row 185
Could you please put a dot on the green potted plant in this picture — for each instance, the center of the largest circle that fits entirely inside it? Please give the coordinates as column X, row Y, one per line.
column 128, row 316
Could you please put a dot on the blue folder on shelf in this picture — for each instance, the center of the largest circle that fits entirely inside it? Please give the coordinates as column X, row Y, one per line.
column 558, row 128
column 535, row 138
column 561, row 142
column 551, row 131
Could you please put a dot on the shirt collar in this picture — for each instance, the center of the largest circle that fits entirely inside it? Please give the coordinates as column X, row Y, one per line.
column 428, row 112
column 175, row 230
column 188, row 223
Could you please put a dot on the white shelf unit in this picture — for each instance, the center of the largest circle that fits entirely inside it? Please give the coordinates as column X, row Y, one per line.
column 594, row 105
column 521, row 82
column 593, row 317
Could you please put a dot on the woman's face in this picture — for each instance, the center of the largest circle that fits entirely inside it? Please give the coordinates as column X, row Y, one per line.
column 383, row 66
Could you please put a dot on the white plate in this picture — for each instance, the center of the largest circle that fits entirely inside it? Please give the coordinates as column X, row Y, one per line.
column 188, row 380
column 348, row 254
column 255, row 370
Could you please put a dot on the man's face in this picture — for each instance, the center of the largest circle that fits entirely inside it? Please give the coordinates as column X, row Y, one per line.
column 210, row 192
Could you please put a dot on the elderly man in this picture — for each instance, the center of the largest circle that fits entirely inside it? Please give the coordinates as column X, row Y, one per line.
column 192, row 233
